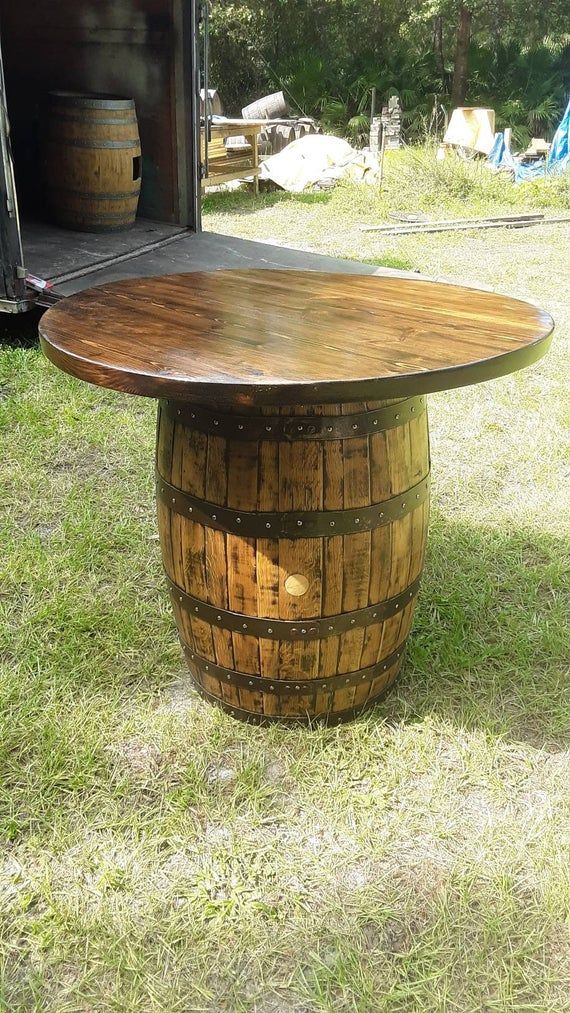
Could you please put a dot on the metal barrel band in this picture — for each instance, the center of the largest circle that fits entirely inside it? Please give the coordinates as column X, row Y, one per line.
column 85, row 195
column 292, row 687
column 286, row 629
column 295, row 427
column 80, row 143
column 252, row 717
column 96, row 121
column 79, row 101
column 313, row 524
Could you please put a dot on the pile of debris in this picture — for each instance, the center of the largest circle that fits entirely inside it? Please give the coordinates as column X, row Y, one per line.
column 282, row 128
column 471, row 133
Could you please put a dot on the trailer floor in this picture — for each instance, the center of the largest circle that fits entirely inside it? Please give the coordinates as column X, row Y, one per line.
column 208, row 251
column 51, row 252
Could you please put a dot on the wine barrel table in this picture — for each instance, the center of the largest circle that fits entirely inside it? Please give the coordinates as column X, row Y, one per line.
column 292, row 462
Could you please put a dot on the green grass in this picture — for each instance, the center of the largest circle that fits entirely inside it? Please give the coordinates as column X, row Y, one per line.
column 156, row 855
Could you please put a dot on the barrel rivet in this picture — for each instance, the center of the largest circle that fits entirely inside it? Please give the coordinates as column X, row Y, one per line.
column 397, row 415
column 244, row 626
column 216, row 423
column 303, row 631
column 417, row 495
column 347, row 682
column 238, row 520
column 250, row 683
column 413, row 409
column 268, row 429
column 403, row 505
column 196, row 609
column 329, row 429
column 384, row 667
column 357, row 520
column 397, row 606
column 174, row 499
column 267, row 525
column 214, row 517
column 297, row 687
column 381, row 514
column 299, row 524
column 179, row 412
column 240, row 427
column 299, row 429
column 228, row 676
column 331, row 628
column 352, row 622
column 190, row 510
column 192, row 656
column 207, row 668
column 363, row 676
column 354, row 426
column 332, row 524
column 375, row 423
column 269, row 629
column 411, row 594
column 179, row 597
column 374, row 615
column 272, row 687
column 294, row 631
column 192, row 415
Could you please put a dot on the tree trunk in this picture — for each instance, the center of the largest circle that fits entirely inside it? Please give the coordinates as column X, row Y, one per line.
column 438, row 47
column 460, row 69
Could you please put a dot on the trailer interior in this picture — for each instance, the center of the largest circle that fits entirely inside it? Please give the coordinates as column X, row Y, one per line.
column 144, row 49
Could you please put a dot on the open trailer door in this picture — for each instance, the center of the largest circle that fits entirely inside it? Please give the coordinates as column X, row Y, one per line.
column 12, row 273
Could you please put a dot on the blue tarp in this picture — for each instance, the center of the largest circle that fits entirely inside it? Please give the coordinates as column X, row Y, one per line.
column 558, row 159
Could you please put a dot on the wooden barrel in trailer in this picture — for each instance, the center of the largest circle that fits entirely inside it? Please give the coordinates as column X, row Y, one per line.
column 91, row 161
column 293, row 540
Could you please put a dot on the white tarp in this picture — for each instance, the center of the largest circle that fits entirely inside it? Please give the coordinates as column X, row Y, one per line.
column 318, row 158
column 472, row 128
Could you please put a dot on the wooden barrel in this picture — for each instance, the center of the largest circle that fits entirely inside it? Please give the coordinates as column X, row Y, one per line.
column 91, row 161
column 215, row 107
column 270, row 107
column 293, row 542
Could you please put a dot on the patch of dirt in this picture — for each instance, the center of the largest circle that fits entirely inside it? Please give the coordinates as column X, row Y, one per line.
column 138, row 757
column 180, row 696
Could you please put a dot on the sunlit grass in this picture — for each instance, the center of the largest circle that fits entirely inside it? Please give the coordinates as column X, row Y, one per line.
column 156, row 855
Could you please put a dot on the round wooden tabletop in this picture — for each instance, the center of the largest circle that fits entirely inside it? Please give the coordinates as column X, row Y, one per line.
column 282, row 337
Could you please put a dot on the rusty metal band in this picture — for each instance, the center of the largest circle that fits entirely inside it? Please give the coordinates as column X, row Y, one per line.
column 85, row 195
column 302, row 524
column 110, row 121
column 291, row 687
column 295, row 427
column 84, row 143
column 327, row 718
column 286, row 629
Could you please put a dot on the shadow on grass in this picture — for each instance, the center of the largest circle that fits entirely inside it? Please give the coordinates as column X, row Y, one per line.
column 489, row 646
column 20, row 330
column 244, row 202
column 488, row 651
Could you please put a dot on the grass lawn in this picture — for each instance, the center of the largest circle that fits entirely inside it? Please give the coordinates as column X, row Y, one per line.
column 156, row 855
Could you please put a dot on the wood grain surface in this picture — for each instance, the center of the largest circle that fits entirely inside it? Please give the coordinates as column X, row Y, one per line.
column 247, row 670
column 263, row 337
